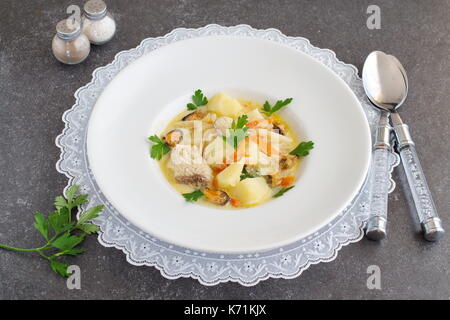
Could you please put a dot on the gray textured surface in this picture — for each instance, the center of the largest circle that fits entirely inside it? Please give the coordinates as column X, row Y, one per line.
column 35, row 90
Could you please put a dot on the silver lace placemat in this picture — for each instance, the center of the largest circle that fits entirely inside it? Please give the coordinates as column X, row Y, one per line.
column 174, row 261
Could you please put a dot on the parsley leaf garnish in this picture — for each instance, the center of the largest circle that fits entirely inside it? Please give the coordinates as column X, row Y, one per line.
column 241, row 122
column 67, row 241
column 199, row 100
column 60, row 268
column 191, row 106
column 281, row 192
column 159, row 148
column 238, row 131
column 302, row 150
column 90, row 214
column 193, row 196
column 268, row 110
column 41, row 224
column 245, row 174
column 58, row 230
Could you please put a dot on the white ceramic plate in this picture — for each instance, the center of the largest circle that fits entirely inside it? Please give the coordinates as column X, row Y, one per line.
column 144, row 96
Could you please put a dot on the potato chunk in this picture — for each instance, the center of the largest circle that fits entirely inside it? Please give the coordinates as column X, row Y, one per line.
column 251, row 191
column 230, row 176
column 224, row 105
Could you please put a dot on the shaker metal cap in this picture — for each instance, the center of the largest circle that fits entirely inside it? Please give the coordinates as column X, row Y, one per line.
column 68, row 29
column 95, row 9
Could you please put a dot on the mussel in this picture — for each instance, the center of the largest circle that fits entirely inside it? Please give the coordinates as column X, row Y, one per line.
column 174, row 137
column 287, row 161
column 196, row 115
column 218, row 197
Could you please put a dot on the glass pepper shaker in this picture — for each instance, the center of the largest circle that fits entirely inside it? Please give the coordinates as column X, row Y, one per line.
column 69, row 45
column 98, row 24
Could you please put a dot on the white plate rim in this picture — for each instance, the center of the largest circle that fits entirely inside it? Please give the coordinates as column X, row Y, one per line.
column 254, row 229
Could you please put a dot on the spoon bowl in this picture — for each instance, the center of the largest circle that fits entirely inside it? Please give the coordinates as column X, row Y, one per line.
column 385, row 83
column 402, row 69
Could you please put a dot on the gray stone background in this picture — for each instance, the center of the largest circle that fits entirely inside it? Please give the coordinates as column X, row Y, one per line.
column 35, row 90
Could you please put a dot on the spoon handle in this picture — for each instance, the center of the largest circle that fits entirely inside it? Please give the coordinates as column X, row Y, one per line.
column 426, row 209
column 379, row 181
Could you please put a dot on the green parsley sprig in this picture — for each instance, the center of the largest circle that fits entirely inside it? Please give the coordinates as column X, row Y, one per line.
column 238, row 131
column 193, row 196
column 159, row 148
column 198, row 100
column 268, row 110
column 245, row 174
column 61, row 233
column 302, row 150
column 281, row 192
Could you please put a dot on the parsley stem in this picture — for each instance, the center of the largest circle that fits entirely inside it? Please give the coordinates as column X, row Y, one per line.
column 45, row 247
column 43, row 255
column 4, row 246
column 69, row 206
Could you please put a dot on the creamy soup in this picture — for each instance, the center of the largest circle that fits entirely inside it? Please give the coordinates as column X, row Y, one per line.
column 229, row 153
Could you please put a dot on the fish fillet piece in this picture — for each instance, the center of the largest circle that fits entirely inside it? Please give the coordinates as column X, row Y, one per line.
column 189, row 167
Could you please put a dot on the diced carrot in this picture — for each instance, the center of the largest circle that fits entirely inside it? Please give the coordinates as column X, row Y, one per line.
column 214, row 183
column 220, row 168
column 253, row 124
column 235, row 203
column 287, row 181
column 269, row 149
column 257, row 123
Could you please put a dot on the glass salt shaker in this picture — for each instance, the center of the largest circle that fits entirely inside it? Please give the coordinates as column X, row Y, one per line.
column 69, row 45
column 98, row 24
